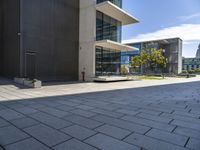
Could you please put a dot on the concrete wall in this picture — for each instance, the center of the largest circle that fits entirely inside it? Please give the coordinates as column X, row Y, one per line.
column 174, row 55
column 11, row 45
column 1, row 36
column 87, row 36
column 50, row 38
column 180, row 57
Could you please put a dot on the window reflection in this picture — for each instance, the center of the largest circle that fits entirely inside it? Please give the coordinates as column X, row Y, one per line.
column 116, row 2
column 108, row 61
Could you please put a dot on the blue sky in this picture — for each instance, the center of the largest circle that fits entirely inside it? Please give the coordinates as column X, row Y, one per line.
column 164, row 19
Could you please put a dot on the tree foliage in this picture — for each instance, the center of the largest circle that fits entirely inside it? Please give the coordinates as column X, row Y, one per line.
column 150, row 58
column 136, row 61
column 124, row 69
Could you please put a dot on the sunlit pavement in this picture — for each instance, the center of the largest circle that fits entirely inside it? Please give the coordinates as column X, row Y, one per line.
column 153, row 115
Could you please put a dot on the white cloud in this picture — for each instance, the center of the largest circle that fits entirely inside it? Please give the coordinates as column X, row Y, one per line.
column 187, row 32
column 189, row 17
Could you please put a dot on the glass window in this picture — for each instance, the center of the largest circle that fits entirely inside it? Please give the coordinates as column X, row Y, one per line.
column 116, row 2
column 108, row 61
column 107, row 28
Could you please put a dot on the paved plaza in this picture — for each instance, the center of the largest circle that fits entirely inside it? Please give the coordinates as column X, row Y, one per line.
column 133, row 115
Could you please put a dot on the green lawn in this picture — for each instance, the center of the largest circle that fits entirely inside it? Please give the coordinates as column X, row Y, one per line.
column 146, row 77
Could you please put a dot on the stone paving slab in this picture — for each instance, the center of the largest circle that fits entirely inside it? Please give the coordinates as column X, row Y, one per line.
column 187, row 132
column 127, row 112
column 28, row 144
column 3, row 123
column 50, row 120
column 168, row 137
column 107, row 113
column 149, row 123
column 194, row 144
column 83, row 113
column 25, row 110
column 78, row 132
column 155, row 118
column 9, row 114
column 113, row 131
column 104, row 142
column 160, row 117
column 122, row 124
column 151, row 143
column 186, row 114
column 65, row 108
column 47, row 135
column 11, row 134
column 180, row 117
column 74, row 144
column 82, row 121
column 53, row 111
column 191, row 125
column 24, row 122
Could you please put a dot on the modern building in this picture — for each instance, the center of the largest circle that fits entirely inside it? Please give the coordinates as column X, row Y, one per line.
column 192, row 63
column 198, row 52
column 172, row 51
column 61, row 39
column 100, row 37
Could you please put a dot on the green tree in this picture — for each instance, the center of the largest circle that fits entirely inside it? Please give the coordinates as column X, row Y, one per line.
column 124, row 69
column 197, row 71
column 149, row 58
column 136, row 61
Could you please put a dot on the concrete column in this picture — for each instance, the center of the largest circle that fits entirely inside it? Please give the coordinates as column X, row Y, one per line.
column 87, row 38
column 180, row 61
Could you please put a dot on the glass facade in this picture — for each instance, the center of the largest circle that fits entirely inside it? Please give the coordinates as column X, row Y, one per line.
column 107, row 28
column 198, row 52
column 108, row 61
column 116, row 2
column 191, row 63
column 126, row 56
column 172, row 53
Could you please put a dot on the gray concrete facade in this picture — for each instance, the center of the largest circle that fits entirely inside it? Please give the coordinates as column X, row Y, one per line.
column 10, row 45
column 40, row 39
column 1, row 36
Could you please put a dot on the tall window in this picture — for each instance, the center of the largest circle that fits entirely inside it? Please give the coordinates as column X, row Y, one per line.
column 108, row 61
column 116, row 2
column 107, row 28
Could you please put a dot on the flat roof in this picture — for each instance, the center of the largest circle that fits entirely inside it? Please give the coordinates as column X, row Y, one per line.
column 156, row 40
column 115, row 12
column 115, row 45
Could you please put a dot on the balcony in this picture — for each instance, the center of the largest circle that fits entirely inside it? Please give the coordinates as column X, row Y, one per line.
column 115, row 12
column 115, row 45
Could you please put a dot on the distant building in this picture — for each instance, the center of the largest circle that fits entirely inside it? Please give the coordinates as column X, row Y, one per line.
column 198, row 52
column 192, row 63
column 173, row 53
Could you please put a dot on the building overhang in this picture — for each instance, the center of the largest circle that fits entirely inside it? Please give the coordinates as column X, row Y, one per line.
column 115, row 12
column 115, row 45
